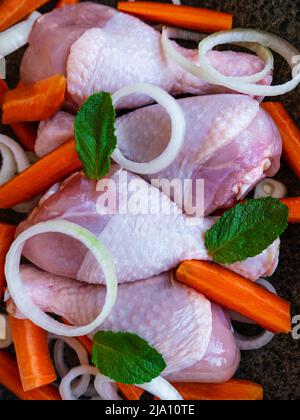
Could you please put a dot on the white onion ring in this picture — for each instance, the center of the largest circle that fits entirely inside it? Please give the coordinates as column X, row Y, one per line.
column 22, row 161
column 106, row 388
column 80, row 388
column 177, row 134
column 277, row 44
column 162, row 389
column 269, row 187
column 5, row 332
column 17, row 36
column 261, row 340
column 25, row 304
column 9, row 167
column 261, row 51
column 65, row 388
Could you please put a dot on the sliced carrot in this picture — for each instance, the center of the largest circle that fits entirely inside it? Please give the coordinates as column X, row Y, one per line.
column 237, row 293
column 3, row 90
column 10, row 378
column 34, row 102
column 7, row 233
column 87, row 344
column 293, row 204
column 12, row 11
column 40, row 176
column 290, row 134
column 34, row 361
column 63, row 3
column 235, row 389
column 26, row 133
column 187, row 17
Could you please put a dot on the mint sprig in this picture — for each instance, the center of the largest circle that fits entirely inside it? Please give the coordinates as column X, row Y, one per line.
column 126, row 357
column 246, row 230
column 95, row 135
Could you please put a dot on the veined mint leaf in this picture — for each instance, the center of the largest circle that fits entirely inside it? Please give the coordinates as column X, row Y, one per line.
column 95, row 135
column 126, row 358
column 246, row 230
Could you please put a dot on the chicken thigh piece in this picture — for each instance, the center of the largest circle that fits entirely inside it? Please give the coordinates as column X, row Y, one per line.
column 193, row 335
column 231, row 143
column 101, row 49
column 143, row 230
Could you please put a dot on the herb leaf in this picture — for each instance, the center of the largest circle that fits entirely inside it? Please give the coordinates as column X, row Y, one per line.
column 246, row 230
column 95, row 135
column 126, row 358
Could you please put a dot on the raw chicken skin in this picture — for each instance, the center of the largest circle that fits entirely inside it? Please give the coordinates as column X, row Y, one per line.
column 194, row 336
column 101, row 49
column 142, row 245
column 231, row 143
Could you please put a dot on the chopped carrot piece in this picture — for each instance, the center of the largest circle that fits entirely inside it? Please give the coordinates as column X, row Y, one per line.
column 188, row 17
column 235, row 389
column 237, row 293
column 293, row 204
column 87, row 344
column 34, row 361
column 63, row 3
column 130, row 392
column 10, row 378
column 7, row 233
column 35, row 102
column 12, row 11
column 290, row 134
column 25, row 132
column 40, row 176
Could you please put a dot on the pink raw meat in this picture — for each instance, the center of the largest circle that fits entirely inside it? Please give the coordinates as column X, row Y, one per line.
column 101, row 49
column 142, row 241
column 231, row 143
column 194, row 336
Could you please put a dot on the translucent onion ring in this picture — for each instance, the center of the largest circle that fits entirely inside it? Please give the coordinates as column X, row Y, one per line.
column 198, row 71
column 18, row 290
column 65, row 388
column 261, row 340
column 5, row 332
column 177, row 134
column 269, row 187
column 277, row 44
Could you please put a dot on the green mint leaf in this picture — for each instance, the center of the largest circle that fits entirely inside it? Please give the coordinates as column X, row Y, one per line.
column 95, row 135
column 246, row 230
column 126, row 358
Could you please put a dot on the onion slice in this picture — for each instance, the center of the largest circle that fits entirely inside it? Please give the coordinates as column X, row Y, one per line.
column 197, row 71
column 269, row 187
column 177, row 132
column 5, row 332
column 81, row 387
column 17, row 36
column 275, row 43
column 162, row 389
column 65, row 388
column 18, row 290
column 22, row 161
column 8, row 167
column 261, row 340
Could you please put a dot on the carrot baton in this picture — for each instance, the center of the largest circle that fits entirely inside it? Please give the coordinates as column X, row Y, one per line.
column 233, row 390
column 63, row 3
column 237, row 293
column 34, row 361
column 34, row 102
column 3, row 90
column 12, row 11
column 293, row 204
column 10, row 378
column 52, row 168
column 187, row 17
column 290, row 134
column 7, row 233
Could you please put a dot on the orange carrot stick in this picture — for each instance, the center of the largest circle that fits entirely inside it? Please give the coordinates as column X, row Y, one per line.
column 188, row 17
column 40, row 176
column 12, row 11
column 35, row 102
column 10, row 378
column 293, row 204
column 237, row 293
column 34, row 361
column 25, row 132
column 290, row 134
column 87, row 344
column 235, row 389
column 7, row 233
column 63, row 3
